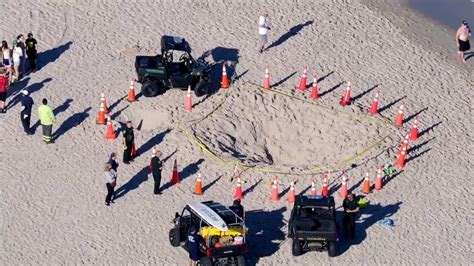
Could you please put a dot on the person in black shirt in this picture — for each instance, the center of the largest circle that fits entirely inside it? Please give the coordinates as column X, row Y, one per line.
column 21, row 43
column 25, row 114
column 113, row 161
column 128, row 139
column 193, row 246
column 155, row 167
column 350, row 212
column 31, row 51
column 237, row 208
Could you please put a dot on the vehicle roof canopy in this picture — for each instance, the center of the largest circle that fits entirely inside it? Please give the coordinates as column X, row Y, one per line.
column 215, row 214
column 314, row 201
column 174, row 43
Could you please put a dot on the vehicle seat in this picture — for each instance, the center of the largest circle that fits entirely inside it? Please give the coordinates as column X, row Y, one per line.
column 305, row 224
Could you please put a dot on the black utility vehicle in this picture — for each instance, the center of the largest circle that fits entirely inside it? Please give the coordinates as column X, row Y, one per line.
column 312, row 225
column 173, row 68
column 221, row 230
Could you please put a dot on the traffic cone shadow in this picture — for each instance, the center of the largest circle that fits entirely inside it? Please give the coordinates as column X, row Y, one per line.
column 321, row 79
column 208, row 186
column 411, row 158
column 362, row 94
column 386, row 107
column 321, row 94
column 418, row 146
column 428, row 129
column 252, row 187
column 190, row 170
column 283, row 80
column 285, row 191
column 407, row 119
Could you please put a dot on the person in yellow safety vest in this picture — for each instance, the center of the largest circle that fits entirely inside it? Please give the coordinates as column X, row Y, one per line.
column 47, row 120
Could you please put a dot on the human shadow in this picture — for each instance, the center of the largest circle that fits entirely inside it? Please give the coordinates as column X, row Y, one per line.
column 293, row 31
column 133, row 183
column 362, row 94
column 283, row 80
column 239, row 76
column 63, row 107
column 206, row 187
column 265, row 231
column 155, row 140
column 252, row 187
column 331, row 89
column 391, row 104
column 321, row 79
column 190, row 170
column 72, row 122
column 408, row 118
column 428, row 129
column 52, row 55
column 356, row 185
column 304, row 191
column 14, row 89
column 468, row 55
column 369, row 215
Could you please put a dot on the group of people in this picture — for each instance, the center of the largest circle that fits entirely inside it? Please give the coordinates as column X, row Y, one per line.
column 14, row 57
column 111, row 166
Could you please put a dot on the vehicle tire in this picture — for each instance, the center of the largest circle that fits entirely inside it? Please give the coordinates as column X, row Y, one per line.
column 205, row 261
column 296, row 248
column 240, row 260
column 332, row 251
column 174, row 237
column 201, row 88
column 150, row 88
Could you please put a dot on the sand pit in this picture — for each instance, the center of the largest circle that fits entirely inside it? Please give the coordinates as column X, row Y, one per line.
column 52, row 207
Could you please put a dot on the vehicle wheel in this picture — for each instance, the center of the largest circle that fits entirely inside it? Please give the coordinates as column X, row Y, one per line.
column 150, row 88
column 205, row 261
column 332, row 249
column 201, row 88
column 296, row 248
column 240, row 260
column 174, row 237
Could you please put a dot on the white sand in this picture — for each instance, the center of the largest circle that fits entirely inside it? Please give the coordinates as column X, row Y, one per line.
column 52, row 195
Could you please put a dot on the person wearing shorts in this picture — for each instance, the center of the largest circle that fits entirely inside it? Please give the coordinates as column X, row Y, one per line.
column 263, row 30
column 6, row 58
column 16, row 54
column 462, row 39
column 193, row 246
column 3, row 89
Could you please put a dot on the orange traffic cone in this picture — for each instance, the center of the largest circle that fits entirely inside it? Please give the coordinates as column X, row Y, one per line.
column 101, row 117
column 346, row 99
column 110, row 132
column 291, row 194
column 343, row 189
column 275, row 196
column 405, row 144
column 225, row 79
column 102, row 100
column 303, row 80
column 313, row 191
column 188, row 102
column 401, row 158
column 399, row 120
column 266, row 80
column 131, row 92
column 198, row 186
column 378, row 180
column 374, row 109
column 414, row 130
column 238, row 190
column 175, row 177
column 366, row 187
column 325, row 191
column 314, row 89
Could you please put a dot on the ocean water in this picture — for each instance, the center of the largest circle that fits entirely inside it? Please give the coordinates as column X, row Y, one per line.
column 449, row 12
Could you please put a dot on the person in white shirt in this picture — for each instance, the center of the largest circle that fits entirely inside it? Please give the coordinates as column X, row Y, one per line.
column 263, row 27
column 110, row 182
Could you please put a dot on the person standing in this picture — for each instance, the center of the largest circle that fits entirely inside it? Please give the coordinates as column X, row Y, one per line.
column 110, row 183
column 350, row 212
column 25, row 114
column 16, row 54
column 237, row 208
column 31, row 51
column 193, row 246
column 462, row 39
column 47, row 120
column 128, row 139
column 21, row 43
column 155, row 166
column 3, row 90
column 263, row 27
column 6, row 58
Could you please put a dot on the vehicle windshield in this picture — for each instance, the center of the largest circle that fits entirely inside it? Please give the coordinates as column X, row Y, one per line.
column 229, row 217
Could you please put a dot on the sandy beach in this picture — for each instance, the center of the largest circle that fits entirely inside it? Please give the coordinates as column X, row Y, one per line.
column 52, row 196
